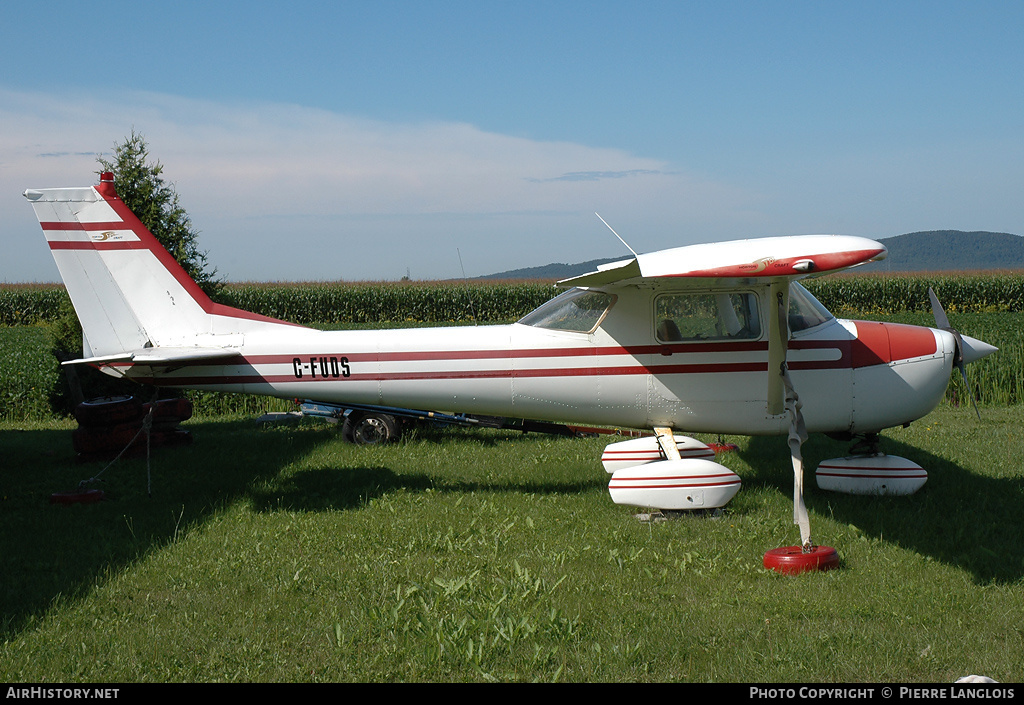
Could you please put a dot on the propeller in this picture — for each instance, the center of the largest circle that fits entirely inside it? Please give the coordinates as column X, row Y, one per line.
column 942, row 321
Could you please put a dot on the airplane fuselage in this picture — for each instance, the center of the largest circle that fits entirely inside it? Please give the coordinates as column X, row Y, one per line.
column 851, row 376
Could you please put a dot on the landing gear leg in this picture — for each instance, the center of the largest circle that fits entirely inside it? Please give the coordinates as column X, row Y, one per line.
column 867, row 444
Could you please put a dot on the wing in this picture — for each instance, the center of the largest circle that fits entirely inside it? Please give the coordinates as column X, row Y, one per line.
column 764, row 258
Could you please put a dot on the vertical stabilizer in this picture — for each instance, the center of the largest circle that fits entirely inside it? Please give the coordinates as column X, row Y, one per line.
column 128, row 291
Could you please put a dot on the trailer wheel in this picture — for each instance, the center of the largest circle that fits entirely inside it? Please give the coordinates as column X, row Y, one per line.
column 109, row 411
column 370, row 428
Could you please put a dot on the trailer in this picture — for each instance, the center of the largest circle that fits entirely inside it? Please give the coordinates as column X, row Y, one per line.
column 370, row 425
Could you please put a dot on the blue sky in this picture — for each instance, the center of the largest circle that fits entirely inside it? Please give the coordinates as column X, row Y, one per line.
column 367, row 140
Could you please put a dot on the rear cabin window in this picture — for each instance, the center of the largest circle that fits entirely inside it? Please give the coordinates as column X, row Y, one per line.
column 576, row 310
column 706, row 316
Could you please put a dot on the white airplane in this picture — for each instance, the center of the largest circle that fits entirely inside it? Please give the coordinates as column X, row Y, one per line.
column 714, row 338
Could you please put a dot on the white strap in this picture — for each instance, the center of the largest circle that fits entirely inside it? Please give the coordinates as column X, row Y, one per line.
column 797, row 435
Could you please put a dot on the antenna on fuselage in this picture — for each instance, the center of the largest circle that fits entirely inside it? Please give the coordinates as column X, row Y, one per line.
column 616, row 234
column 472, row 308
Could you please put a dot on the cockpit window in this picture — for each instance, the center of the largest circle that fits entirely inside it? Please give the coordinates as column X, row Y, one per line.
column 805, row 311
column 706, row 316
column 576, row 310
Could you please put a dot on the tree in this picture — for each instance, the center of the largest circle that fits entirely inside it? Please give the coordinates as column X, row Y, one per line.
column 153, row 201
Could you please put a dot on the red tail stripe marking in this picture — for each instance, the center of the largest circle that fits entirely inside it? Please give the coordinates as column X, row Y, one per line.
column 90, row 245
column 75, row 225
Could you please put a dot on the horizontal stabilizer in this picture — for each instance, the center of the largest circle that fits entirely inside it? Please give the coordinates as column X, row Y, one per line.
column 159, row 357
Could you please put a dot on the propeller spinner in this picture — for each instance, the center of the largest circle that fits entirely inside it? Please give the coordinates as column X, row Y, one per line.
column 968, row 349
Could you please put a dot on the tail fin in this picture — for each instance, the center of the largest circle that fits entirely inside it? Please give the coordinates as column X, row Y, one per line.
column 135, row 302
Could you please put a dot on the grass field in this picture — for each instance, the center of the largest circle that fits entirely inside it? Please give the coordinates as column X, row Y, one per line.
column 284, row 554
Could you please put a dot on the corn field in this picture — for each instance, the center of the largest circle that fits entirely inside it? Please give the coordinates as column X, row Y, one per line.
column 435, row 302
column 451, row 302
column 29, row 304
column 894, row 294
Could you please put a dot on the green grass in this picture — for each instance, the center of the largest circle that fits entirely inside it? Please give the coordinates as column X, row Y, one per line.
column 284, row 554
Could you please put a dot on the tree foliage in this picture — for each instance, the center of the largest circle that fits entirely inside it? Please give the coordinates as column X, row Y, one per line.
column 142, row 188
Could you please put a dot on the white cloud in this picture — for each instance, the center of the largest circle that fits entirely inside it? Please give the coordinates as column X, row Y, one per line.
column 288, row 192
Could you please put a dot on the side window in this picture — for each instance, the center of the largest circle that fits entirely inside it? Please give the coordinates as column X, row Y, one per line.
column 704, row 316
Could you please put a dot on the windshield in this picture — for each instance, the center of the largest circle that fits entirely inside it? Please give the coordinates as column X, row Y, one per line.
column 576, row 310
column 805, row 311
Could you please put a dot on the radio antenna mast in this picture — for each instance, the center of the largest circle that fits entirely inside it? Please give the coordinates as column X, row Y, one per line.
column 472, row 308
column 616, row 235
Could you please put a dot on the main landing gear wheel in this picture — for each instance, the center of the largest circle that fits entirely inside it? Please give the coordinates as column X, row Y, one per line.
column 792, row 560
column 370, row 429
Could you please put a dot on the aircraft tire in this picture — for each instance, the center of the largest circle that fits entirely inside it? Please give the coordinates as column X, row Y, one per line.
column 108, row 411
column 791, row 560
column 370, row 428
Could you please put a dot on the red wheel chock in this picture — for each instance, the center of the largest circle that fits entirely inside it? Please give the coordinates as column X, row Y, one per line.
column 77, row 497
column 792, row 560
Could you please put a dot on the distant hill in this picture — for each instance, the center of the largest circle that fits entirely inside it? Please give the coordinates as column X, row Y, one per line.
column 930, row 251
column 554, row 271
column 951, row 251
